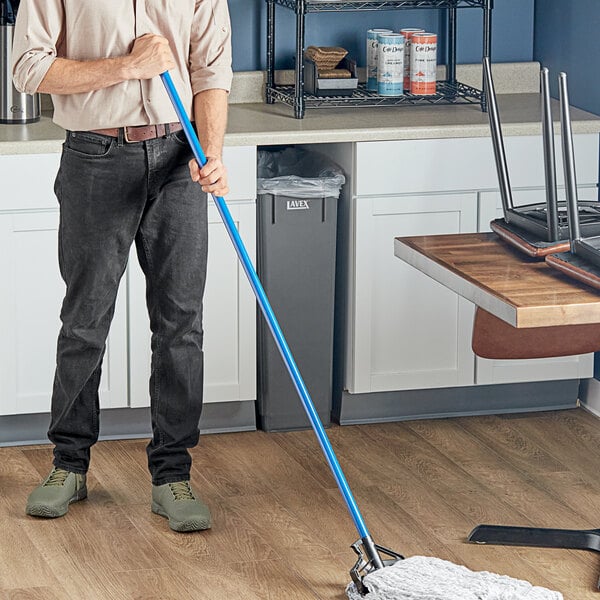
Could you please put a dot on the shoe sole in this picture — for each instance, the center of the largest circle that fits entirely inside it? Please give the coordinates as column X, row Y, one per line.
column 52, row 512
column 180, row 526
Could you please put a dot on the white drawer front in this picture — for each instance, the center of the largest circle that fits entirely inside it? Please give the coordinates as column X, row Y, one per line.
column 28, row 181
column 424, row 166
column 241, row 169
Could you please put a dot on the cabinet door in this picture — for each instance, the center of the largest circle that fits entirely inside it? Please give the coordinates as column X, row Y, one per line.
column 29, row 318
column 408, row 331
column 538, row 369
column 229, row 317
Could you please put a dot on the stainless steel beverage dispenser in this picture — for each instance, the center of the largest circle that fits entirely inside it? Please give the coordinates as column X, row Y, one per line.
column 14, row 106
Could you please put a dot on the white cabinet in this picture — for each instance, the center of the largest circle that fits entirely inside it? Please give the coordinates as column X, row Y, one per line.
column 405, row 331
column 32, row 292
column 229, row 305
column 408, row 331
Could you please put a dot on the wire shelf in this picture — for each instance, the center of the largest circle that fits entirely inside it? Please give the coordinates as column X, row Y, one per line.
column 349, row 5
column 447, row 93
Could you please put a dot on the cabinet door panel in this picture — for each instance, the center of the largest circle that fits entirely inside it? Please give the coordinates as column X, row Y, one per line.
column 29, row 318
column 229, row 317
column 409, row 331
column 230, row 313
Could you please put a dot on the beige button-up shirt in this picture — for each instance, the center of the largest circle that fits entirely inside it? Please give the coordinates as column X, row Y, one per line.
column 198, row 32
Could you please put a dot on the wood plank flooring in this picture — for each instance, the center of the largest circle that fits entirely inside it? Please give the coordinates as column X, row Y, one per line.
column 281, row 530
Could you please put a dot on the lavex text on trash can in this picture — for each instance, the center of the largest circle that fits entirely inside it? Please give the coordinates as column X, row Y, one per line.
column 423, row 64
column 372, row 44
column 390, row 64
column 408, row 33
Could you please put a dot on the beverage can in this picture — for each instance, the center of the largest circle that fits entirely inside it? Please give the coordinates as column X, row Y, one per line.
column 423, row 64
column 390, row 64
column 408, row 32
column 372, row 44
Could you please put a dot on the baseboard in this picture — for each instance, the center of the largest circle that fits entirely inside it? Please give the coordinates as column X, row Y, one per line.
column 456, row 402
column 590, row 395
column 220, row 417
column 129, row 423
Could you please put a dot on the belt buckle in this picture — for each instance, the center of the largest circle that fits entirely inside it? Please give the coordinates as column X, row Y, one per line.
column 143, row 139
column 125, row 136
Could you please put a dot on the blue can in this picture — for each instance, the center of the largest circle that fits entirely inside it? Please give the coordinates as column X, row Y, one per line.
column 390, row 64
column 372, row 44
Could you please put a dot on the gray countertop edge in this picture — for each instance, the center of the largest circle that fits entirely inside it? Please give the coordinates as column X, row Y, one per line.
column 273, row 124
column 389, row 134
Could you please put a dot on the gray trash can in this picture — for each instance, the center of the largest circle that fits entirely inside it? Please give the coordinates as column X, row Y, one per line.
column 298, row 193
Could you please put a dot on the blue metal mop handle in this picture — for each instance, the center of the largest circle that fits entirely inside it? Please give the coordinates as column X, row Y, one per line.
column 265, row 306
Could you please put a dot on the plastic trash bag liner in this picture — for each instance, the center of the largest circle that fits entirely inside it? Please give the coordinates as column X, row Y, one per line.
column 298, row 173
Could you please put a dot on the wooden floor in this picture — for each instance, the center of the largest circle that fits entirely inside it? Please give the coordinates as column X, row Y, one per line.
column 281, row 531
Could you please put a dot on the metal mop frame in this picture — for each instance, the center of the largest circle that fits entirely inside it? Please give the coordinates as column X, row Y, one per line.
column 368, row 552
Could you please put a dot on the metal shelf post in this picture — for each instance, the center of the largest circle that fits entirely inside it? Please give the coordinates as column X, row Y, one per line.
column 451, row 66
column 270, row 49
column 299, row 104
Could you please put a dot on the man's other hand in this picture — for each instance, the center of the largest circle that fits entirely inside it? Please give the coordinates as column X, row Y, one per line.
column 212, row 177
column 150, row 56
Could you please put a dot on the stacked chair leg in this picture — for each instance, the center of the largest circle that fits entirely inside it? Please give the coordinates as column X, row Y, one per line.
column 556, row 232
column 582, row 260
column 534, row 229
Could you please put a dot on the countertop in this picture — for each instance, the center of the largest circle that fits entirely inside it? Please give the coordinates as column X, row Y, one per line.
column 256, row 124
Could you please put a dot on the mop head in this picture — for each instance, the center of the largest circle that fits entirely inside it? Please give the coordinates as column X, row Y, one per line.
column 427, row 578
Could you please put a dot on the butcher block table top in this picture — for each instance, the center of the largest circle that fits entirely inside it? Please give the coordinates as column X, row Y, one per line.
column 522, row 291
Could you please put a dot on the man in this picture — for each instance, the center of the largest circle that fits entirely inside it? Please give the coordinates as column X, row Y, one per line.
column 127, row 175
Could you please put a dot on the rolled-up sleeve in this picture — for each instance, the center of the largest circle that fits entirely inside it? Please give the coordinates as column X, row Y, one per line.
column 36, row 37
column 210, row 46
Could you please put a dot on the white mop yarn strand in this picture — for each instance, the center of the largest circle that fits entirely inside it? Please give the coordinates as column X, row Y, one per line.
column 429, row 578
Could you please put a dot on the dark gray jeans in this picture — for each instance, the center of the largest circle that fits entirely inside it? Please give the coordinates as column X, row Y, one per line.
column 113, row 193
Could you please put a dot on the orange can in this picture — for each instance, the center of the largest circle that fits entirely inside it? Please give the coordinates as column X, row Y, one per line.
column 423, row 64
column 408, row 32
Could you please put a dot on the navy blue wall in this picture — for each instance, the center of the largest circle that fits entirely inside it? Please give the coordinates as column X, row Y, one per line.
column 512, row 38
column 567, row 39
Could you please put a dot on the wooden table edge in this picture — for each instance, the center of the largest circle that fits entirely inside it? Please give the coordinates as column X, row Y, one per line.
column 483, row 296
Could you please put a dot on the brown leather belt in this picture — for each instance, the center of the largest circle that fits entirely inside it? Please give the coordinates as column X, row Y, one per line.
column 141, row 133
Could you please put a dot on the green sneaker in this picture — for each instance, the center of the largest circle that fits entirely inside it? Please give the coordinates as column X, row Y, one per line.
column 52, row 498
column 177, row 502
